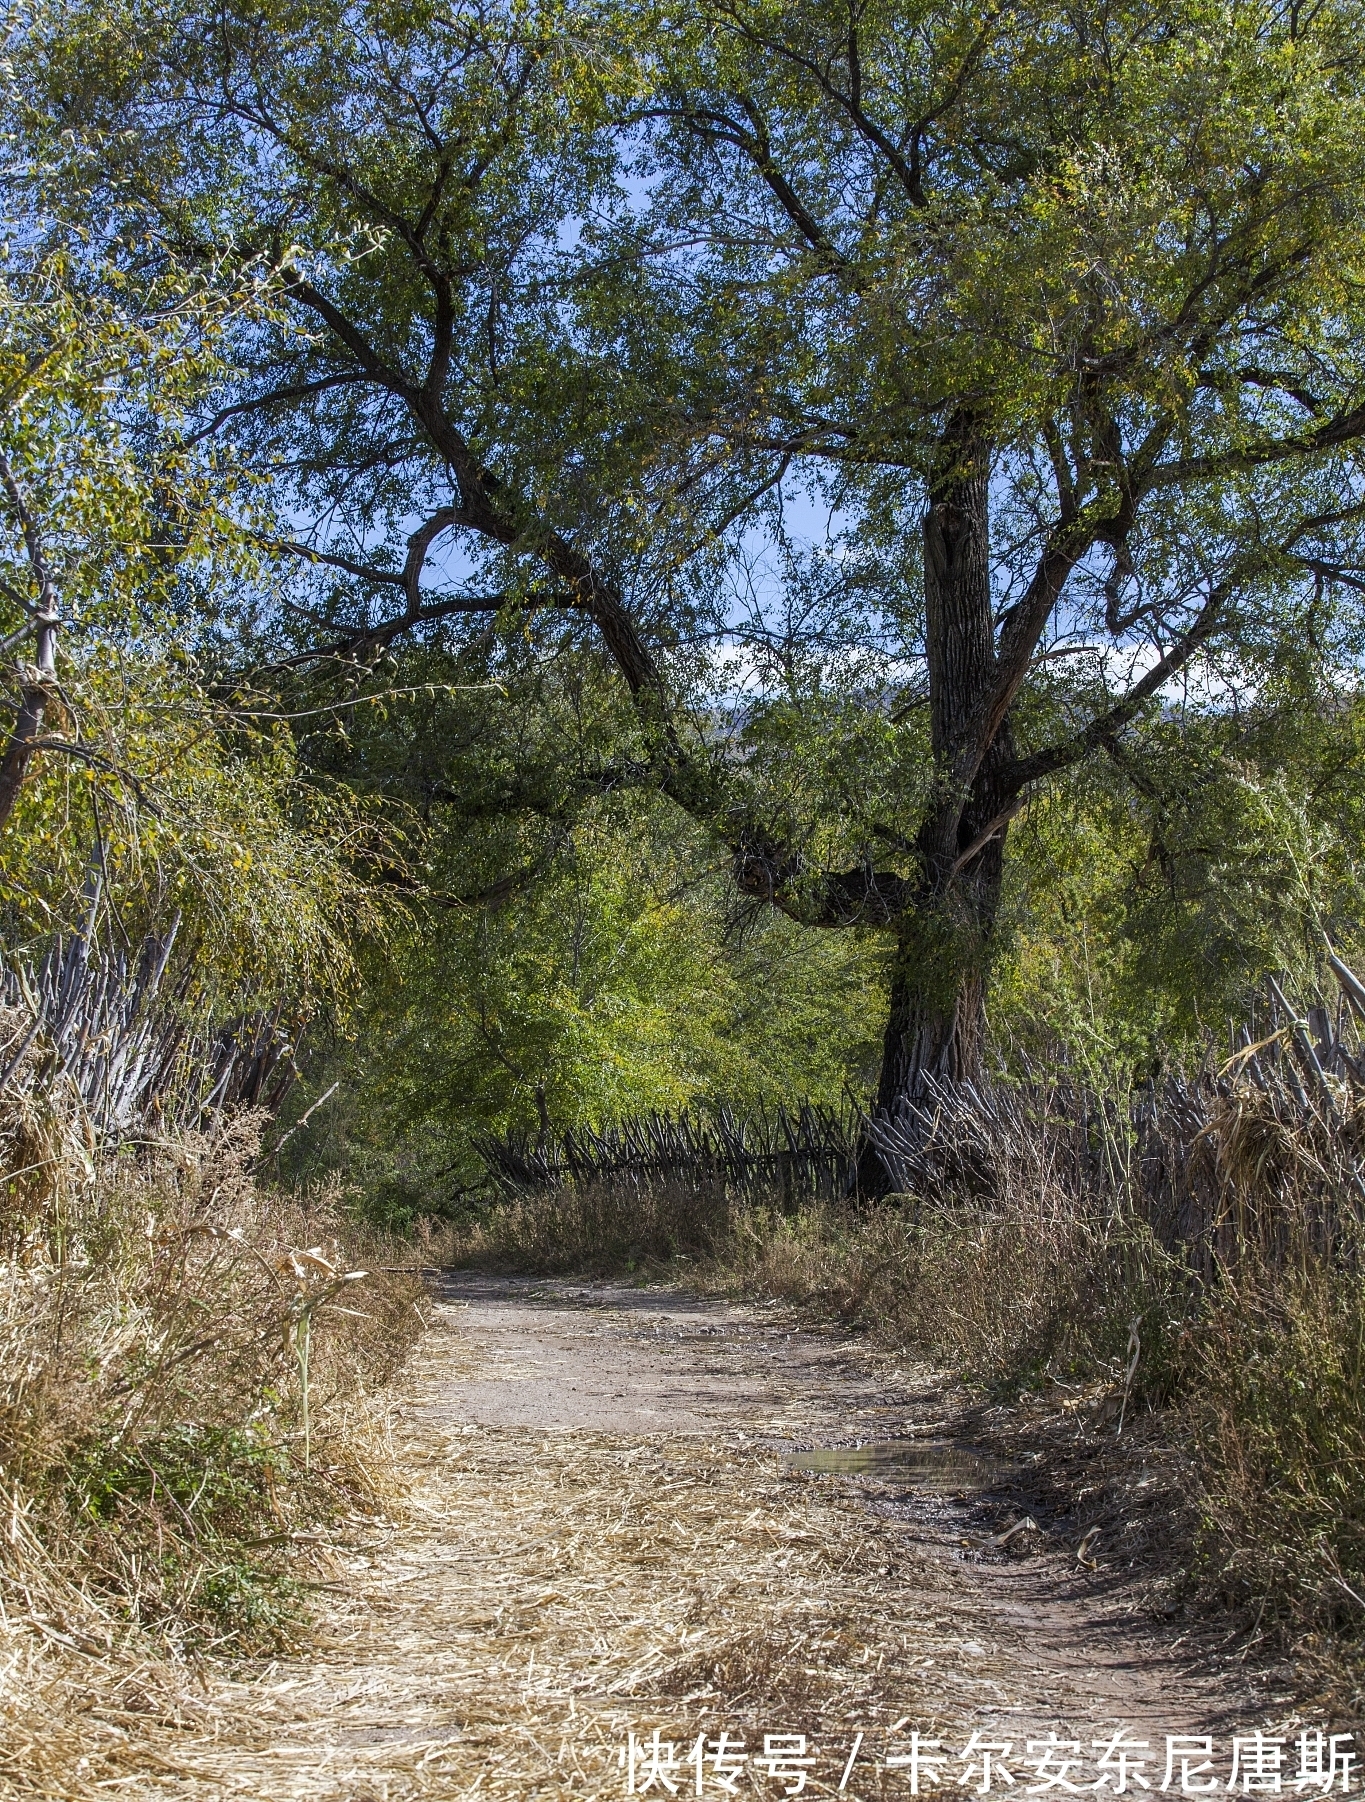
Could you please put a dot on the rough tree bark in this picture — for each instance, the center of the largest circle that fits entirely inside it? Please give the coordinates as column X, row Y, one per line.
column 38, row 681
column 35, row 692
column 936, row 1020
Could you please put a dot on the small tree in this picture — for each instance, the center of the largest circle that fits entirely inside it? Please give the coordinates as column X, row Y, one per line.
column 129, row 777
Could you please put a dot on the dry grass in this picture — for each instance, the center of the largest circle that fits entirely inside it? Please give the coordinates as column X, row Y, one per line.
column 1276, row 1405
column 1000, row 1295
column 186, row 1372
column 574, row 1589
column 600, row 1225
column 548, row 1593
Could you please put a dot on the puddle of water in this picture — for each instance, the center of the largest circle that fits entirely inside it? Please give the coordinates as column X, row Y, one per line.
column 941, row 1469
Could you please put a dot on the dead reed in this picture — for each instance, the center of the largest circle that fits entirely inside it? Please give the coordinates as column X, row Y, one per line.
column 600, row 1225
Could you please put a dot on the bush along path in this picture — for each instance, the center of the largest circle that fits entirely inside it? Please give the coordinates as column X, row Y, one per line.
column 653, row 1542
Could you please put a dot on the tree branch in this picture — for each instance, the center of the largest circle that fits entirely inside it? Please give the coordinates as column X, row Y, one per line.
column 908, row 172
column 1345, row 428
column 1070, row 750
column 350, row 335
column 83, row 754
column 989, row 831
column 859, row 897
column 368, row 572
column 754, row 143
column 1018, row 640
column 300, row 391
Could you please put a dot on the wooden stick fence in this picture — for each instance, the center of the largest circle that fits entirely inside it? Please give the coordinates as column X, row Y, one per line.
column 807, row 1154
column 132, row 1051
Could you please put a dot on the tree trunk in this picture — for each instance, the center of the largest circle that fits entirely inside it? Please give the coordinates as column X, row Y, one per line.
column 937, row 1014
column 936, row 1024
column 35, row 692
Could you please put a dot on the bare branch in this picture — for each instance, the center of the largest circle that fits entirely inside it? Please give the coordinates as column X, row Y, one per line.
column 992, row 829
column 754, row 142
column 350, row 335
column 33, row 543
column 300, row 391
column 1070, row 750
column 367, row 572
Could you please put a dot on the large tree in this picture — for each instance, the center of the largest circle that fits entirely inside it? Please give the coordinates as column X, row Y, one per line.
column 1080, row 287
column 1069, row 296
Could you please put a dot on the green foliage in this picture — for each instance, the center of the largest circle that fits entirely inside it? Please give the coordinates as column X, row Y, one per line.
column 1057, row 187
column 213, row 1492
column 220, row 1477
column 535, row 309
column 155, row 783
column 507, row 309
column 199, row 809
column 618, row 981
column 581, row 949
column 1150, row 894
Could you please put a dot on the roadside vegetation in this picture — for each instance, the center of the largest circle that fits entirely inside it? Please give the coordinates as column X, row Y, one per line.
column 191, row 1383
column 569, row 563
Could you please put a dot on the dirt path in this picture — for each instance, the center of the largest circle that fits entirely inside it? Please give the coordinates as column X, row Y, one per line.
column 607, row 1537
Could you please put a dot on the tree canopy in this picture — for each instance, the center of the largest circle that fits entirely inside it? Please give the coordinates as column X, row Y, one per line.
column 813, row 447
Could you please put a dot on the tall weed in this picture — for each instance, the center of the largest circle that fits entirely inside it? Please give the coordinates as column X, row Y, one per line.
column 602, row 1225
column 1005, row 1300
column 1276, row 1404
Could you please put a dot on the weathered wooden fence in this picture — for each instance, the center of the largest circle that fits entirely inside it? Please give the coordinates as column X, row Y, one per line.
column 133, row 1052
column 808, row 1154
column 1259, row 1148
